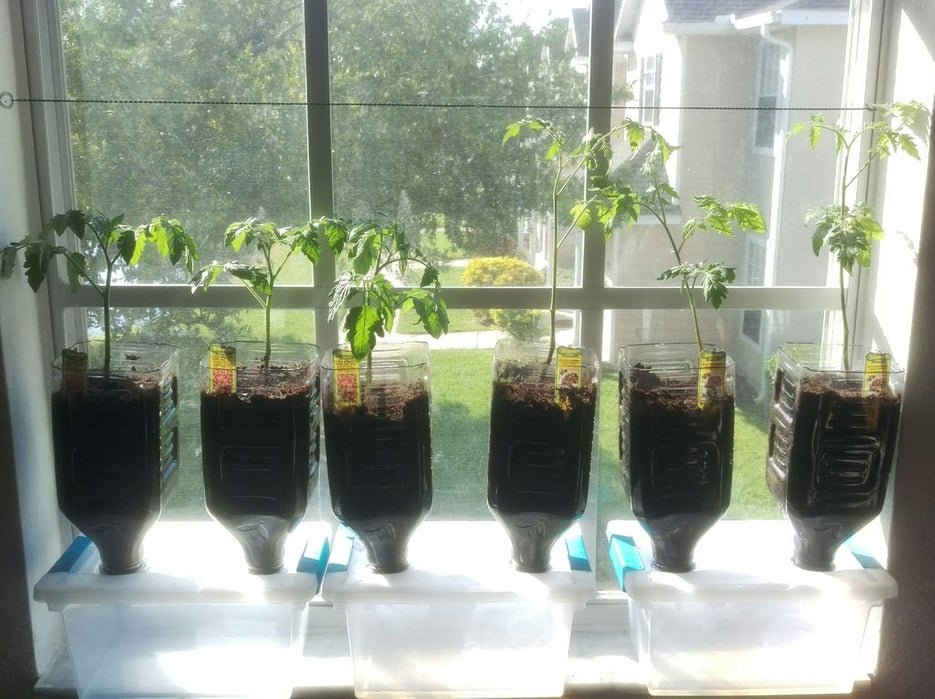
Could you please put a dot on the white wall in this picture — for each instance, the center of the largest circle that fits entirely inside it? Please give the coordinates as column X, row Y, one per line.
column 25, row 342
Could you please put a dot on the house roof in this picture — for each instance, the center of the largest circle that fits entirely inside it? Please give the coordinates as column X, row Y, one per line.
column 688, row 13
column 705, row 11
column 580, row 21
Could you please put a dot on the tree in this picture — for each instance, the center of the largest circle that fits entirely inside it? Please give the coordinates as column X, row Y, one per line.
column 447, row 160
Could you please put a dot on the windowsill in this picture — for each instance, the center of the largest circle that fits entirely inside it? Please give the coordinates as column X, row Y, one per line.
column 602, row 657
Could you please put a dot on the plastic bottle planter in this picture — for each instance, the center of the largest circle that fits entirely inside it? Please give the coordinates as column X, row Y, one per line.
column 379, row 446
column 831, row 441
column 676, row 445
column 260, row 443
column 541, row 434
column 116, row 444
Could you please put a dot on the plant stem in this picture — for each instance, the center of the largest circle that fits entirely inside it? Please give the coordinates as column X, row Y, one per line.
column 690, row 292
column 556, row 190
column 268, row 307
column 106, row 303
column 846, row 359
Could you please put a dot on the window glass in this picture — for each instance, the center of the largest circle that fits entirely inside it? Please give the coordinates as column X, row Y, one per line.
column 190, row 110
column 769, row 94
column 420, row 110
column 198, row 112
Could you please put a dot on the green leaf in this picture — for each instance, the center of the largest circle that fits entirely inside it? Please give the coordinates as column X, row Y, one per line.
column 239, row 233
column 253, row 277
column 340, row 292
column 206, row 276
column 130, row 244
column 554, row 150
column 512, row 131
column 429, row 276
column 76, row 268
column 363, row 324
column 36, row 259
column 172, row 242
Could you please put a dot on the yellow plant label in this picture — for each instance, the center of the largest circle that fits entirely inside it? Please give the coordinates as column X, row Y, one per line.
column 346, row 378
column 74, row 371
column 712, row 373
column 568, row 361
column 876, row 374
column 222, row 369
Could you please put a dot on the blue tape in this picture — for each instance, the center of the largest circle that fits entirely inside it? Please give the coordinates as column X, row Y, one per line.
column 74, row 552
column 340, row 557
column 866, row 559
column 577, row 553
column 625, row 557
column 314, row 561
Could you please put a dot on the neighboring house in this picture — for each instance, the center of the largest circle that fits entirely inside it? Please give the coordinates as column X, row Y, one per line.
column 680, row 56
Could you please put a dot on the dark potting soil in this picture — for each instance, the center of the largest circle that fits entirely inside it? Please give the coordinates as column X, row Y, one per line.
column 830, row 454
column 379, row 457
column 539, row 457
column 116, row 458
column 260, row 451
column 677, row 462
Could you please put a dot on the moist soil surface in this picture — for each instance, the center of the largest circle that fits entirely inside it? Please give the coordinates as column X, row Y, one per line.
column 677, row 462
column 116, row 456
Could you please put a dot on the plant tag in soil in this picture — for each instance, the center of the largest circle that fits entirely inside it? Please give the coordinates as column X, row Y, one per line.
column 712, row 370
column 876, row 373
column 74, row 371
column 346, row 378
column 567, row 369
column 222, row 369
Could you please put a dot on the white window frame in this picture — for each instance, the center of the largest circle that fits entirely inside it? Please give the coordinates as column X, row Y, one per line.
column 49, row 123
column 754, row 275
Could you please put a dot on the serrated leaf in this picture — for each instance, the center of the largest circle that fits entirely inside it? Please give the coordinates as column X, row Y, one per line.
column 818, row 237
column 429, row 276
column 130, row 244
column 362, row 324
column 554, row 150
column 908, row 145
column 512, row 131
column 305, row 241
column 254, row 277
column 36, row 258
column 239, row 233
column 206, row 276
column 340, row 292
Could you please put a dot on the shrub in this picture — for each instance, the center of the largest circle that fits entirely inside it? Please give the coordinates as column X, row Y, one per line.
column 505, row 271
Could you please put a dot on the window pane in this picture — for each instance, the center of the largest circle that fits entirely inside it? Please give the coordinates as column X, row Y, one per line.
column 190, row 110
column 729, row 91
column 421, row 107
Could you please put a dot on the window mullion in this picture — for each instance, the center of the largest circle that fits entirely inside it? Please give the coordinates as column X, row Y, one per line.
column 320, row 171
column 600, row 91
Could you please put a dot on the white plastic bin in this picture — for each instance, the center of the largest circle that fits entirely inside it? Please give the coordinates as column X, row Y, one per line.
column 460, row 622
column 193, row 623
column 747, row 621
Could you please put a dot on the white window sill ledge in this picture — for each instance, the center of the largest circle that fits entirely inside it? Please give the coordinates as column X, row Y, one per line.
column 602, row 659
